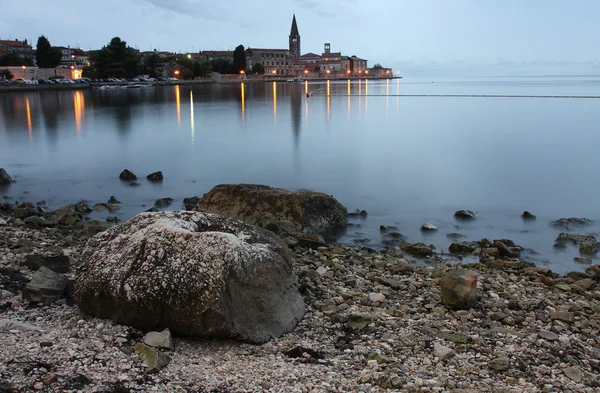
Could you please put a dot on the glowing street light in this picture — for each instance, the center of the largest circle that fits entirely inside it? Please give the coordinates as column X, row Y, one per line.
column 348, row 71
column 189, row 56
column 23, row 67
column 176, row 72
column 328, row 71
column 366, row 71
column 242, row 72
column 273, row 72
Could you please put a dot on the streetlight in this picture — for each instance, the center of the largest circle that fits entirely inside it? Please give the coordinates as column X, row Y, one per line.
column 189, row 56
column 176, row 72
column 242, row 72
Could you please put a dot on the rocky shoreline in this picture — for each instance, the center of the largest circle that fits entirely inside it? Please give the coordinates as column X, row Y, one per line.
column 374, row 322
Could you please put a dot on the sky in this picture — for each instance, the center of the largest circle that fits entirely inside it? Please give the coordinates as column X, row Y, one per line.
column 417, row 37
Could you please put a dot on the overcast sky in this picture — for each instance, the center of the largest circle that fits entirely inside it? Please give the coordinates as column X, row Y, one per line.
column 415, row 36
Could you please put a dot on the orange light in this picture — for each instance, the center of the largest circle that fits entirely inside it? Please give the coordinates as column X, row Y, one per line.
column 328, row 71
column 273, row 72
column 23, row 67
column 306, row 71
column 176, row 72
column 242, row 72
column 348, row 71
column 388, row 71
column 72, row 67
column 367, row 71
column 360, row 72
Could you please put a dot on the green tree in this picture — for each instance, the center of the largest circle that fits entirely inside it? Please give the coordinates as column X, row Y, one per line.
column 47, row 56
column 222, row 66
column 89, row 72
column 152, row 63
column 377, row 66
column 6, row 74
column 202, row 69
column 12, row 60
column 117, row 60
column 258, row 68
column 239, row 59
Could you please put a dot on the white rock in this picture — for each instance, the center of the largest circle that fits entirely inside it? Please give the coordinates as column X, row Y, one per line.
column 377, row 297
column 442, row 352
column 10, row 325
column 321, row 270
column 2, row 222
column 159, row 339
column 428, row 227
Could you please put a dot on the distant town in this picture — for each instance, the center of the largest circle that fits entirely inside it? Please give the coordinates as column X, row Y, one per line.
column 19, row 61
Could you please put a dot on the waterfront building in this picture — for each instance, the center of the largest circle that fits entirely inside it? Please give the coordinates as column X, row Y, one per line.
column 15, row 47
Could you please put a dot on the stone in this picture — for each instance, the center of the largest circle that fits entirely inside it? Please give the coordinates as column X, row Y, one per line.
column 586, row 284
column 190, row 203
column 442, row 352
column 7, row 324
column 376, row 357
column 574, row 374
column 564, row 316
column 458, row 288
column 386, row 228
column 418, row 249
column 499, row 364
column 127, row 175
column 46, row 286
column 153, row 359
column 458, row 248
column 505, row 251
column 155, row 177
column 565, row 239
column 427, row 227
column 465, row 215
column 163, row 202
column 112, row 219
column 309, row 212
column 491, row 252
column 311, row 240
column 563, row 287
column 2, row 222
column 56, row 263
column 92, row 229
column 359, row 322
column 589, row 248
column 547, row 335
column 159, row 339
column 21, row 212
column 570, row 223
column 113, row 201
column 455, row 236
column 37, row 222
column 528, row 216
column 321, row 270
column 5, row 179
column 82, row 207
column 198, row 274
column 377, row 297
column 358, row 213
column 388, row 282
column 457, row 338
column 134, row 184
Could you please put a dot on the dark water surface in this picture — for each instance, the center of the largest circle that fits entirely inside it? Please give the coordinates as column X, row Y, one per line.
column 406, row 160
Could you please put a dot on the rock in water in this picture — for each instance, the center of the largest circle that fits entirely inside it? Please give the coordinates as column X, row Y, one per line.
column 197, row 274
column 190, row 203
column 458, row 288
column 127, row 175
column 113, row 201
column 163, row 202
column 528, row 216
column 46, row 286
column 427, row 227
column 465, row 215
column 155, row 177
column 572, row 222
column 4, row 177
column 310, row 212
column 458, row 248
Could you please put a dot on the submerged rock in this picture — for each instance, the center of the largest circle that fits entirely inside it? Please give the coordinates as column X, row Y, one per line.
column 163, row 202
column 427, row 227
column 358, row 213
column 385, row 228
column 190, row 203
column 127, row 175
column 113, row 201
column 458, row 288
column 308, row 211
column 4, row 177
column 197, row 274
column 155, row 177
column 465, row 215
column 528, row 216
column 570, row 223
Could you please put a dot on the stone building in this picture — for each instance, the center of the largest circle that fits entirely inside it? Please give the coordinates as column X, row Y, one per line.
column 16, row 47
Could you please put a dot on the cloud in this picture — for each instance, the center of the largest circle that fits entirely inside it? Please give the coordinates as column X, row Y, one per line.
column 206, row 9
column 314, row 7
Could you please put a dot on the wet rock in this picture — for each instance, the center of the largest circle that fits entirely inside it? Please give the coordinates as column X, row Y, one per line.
column 113, row 201
column 159, row 339
column 311, row 240
column 213, row 277
column 491, row 252
column 418, row 249
column 127, row 175
column 589, row 248
column 22, row 213
column 190, row 203
column 309, row 212
column 571, row 223
column 465, row 215
column 37, row 222
column 112, row 219
column 56, row 263
column 499, row 364
column 67, row 215
column 528, row 216
column 5, row 179
column 94, row 227
column 586, row 284
column 163, row 202
column 153, row 359
column 427, row 227
column 442, row 352
column 387, row 228
column 134, row 184
column 46, row 286
column 458, row 288
column 82, row 207
column 358, row 213
column 574, row 374
column 565, row 239
column 155, row 177
column 455, row 236
column 458, row 248
column 505, row 251
column 583, row 260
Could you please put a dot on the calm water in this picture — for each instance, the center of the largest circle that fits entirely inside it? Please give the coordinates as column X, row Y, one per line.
column 406, row 160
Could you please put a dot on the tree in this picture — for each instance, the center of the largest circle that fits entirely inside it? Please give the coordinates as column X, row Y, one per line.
column 377, row 66
column 6, row 74
column 258, row 68
column 152, row 63
column 239, row 60
column 202, row 69
column 222, row 66
column 12, row 60
column 117, row 60
column 47, row 56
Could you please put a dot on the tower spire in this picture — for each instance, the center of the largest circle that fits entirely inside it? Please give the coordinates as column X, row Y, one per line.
column 295, row 39
column 294, row 31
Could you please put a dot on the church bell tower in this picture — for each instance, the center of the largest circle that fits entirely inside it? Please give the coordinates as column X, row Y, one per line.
column 295, row 39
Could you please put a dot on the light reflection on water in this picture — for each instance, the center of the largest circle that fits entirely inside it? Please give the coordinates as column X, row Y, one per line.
column 421, row 162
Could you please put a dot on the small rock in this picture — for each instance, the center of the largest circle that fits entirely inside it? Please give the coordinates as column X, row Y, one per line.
column 465, row 215
column 388, row 282
column 358, row 213
column 585, row 284
column 57, row 263
column 7, row 324
column 190, row 203
column 386, row 228
column 589, row 248
column 583, row 260
column 457, row 248
column 426, row 227
column 311, row 240
column 457, row 338
column 505, row 251
column 4, row 177
column 564, row 316
column 574, row 374
column 127, row 175
column 163, row 202
column 455, row 236
column 153, row 359
column 418, row 249
column 442, row 352
column 155, row 177
column 528, row 216
column 112, row 219
column 376, row 357
column 547, row 335
column 112, row 200
column 563, row 287
column 134, row 184
column 359, row 322
column 458, row 288
column 83, row 207
column 46, row 286
column 2, row 222
column 377, row 297
column 499, row 364
column 322, row 270
column 159, row 339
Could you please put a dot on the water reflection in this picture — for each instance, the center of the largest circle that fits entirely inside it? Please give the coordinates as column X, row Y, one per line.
column 178, row 105
column 387, row 98
column 243, row 89
column 29, row 129
column 328, row 102
column 296, row 115
column 275, row 102
column 79, row 105
column 192, row 125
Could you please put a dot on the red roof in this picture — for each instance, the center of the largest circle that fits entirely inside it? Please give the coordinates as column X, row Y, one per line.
column 14, row 44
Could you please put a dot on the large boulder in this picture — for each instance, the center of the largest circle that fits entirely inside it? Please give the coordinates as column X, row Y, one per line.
column 307, row 211
column 195, row 273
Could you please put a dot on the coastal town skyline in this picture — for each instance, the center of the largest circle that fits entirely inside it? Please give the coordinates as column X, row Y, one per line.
column 407, row 36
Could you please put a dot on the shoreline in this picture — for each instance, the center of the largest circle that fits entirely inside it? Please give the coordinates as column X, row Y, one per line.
column 530, row 330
